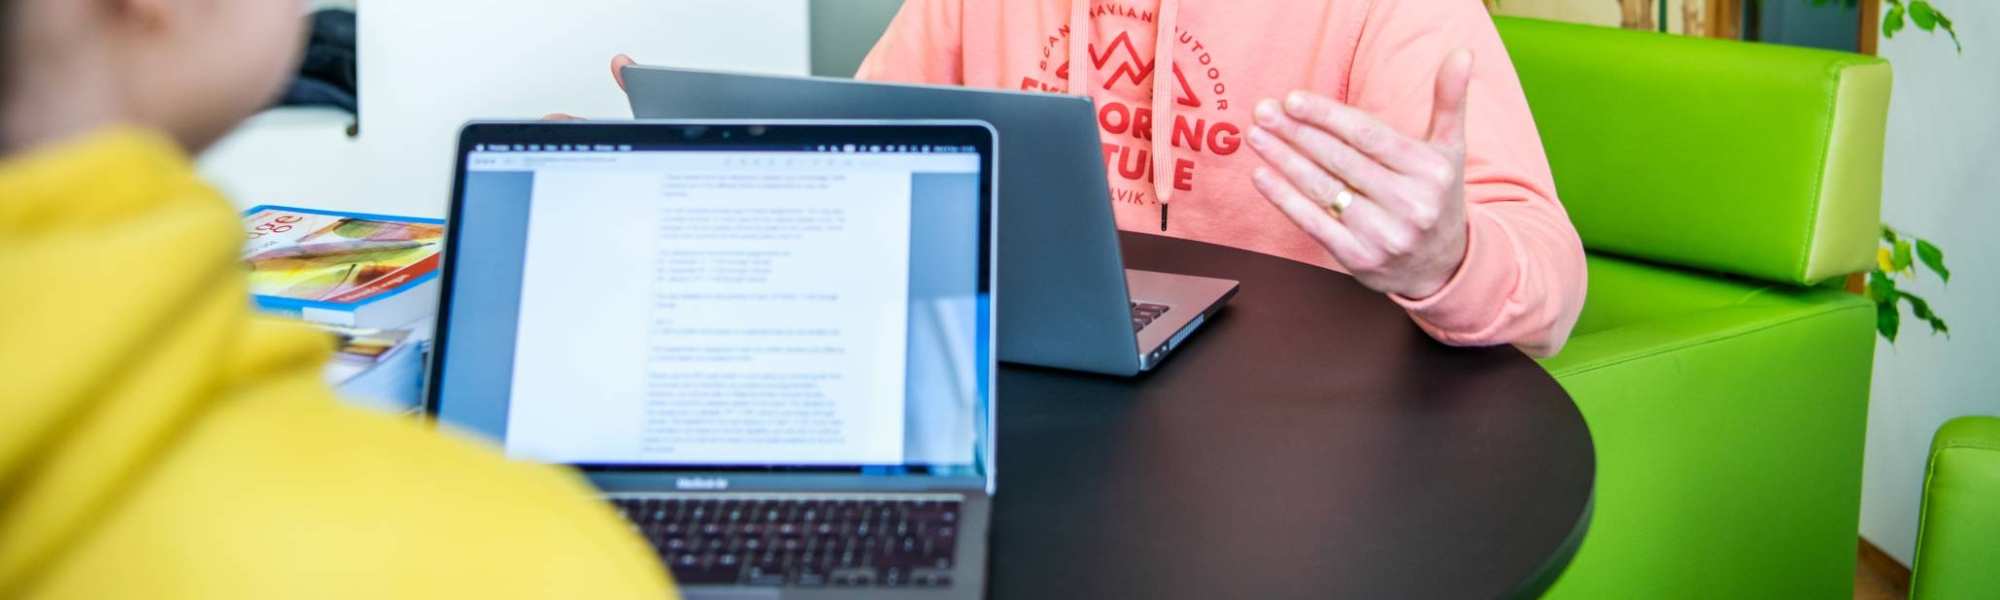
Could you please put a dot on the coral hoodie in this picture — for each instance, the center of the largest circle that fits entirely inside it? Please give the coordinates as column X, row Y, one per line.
column 1179, row 138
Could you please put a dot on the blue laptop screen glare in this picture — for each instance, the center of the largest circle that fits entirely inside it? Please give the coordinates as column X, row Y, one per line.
column 810, row 308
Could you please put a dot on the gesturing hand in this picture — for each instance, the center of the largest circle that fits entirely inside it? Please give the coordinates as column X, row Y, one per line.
column 618, row 64
column 1391, row 209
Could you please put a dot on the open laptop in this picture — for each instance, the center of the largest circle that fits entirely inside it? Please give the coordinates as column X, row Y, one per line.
column 769, row 344
column 1069, row 303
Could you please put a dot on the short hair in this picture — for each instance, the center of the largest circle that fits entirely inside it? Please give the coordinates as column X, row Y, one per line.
column 6, row 48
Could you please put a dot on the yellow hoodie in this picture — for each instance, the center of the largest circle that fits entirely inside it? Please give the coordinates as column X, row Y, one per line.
column 158, row 441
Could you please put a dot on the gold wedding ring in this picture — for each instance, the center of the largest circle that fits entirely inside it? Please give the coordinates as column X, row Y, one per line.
column 1341, row 201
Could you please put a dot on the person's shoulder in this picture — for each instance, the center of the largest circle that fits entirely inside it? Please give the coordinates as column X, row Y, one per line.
column 288, row 493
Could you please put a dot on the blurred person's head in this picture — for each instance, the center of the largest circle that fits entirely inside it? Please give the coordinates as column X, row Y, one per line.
column 191, row 69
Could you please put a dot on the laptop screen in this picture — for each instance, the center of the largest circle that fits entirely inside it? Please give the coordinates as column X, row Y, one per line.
column 797, row 302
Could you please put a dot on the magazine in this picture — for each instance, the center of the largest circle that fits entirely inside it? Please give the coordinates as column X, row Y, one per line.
column 343, row 269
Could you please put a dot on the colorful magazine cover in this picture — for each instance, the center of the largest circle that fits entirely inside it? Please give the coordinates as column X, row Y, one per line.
column 321, row 257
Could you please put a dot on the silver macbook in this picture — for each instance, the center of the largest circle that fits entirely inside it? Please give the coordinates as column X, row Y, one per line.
column 770, row 344
column 1069, row 302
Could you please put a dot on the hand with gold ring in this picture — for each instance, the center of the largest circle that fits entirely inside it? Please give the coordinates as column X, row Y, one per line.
column 1391, row 209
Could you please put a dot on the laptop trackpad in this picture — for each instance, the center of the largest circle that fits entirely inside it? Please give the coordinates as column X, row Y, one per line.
column 730, row 594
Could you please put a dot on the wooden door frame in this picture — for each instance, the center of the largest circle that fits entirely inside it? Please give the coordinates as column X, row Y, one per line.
column 1725, row 19
column 1871, row 26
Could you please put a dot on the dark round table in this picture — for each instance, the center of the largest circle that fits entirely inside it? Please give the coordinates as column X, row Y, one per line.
column 1311, row 442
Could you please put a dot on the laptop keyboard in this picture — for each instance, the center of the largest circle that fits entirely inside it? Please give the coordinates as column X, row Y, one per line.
column 804, row 542
column 1144, row 314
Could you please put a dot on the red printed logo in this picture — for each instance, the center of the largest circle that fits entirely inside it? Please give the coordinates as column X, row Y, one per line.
column 1131, row 68
column 1123, row 75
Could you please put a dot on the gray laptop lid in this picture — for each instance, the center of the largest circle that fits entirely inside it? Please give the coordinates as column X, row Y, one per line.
column 725, row 305
column 1065, row 304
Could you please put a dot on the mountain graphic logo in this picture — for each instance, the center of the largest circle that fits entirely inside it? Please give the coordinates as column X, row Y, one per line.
column 1131, row 68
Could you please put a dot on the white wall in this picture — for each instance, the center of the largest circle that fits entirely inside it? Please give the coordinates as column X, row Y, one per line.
column 291, row 157
column 429, row 66
column 1943, row 183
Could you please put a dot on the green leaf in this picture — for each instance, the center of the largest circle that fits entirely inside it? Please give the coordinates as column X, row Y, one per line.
column 1922, row 310
column 1918, row 306
column 1881, row 288
column 1887, row 320
column 1901, row 257
column 1945, row 24
column 1933, row 257
column 1923, row 15
column 1888, row 235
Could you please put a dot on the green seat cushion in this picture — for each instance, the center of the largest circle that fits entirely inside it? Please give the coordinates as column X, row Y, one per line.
column 1728, row 418
column 1958, row 540
column 1636, row 308
column 1752, row 159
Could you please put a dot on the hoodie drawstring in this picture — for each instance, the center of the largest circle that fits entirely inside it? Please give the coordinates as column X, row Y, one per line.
column 1079, row 47
column 1163, row 102
column 1163, row 105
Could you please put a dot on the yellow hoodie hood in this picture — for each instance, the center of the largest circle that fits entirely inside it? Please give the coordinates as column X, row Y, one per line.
column 118, row 271
column 158, row 441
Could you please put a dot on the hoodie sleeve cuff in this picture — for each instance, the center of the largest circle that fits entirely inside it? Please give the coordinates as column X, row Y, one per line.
column 1467, row 303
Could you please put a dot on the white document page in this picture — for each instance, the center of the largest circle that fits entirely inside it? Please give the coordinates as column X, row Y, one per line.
column 713, row 314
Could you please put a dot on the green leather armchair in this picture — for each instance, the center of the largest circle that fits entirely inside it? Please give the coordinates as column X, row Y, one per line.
column 1958, row 540
column 1724, row 191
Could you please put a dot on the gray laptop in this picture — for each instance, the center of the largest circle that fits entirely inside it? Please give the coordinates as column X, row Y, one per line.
column 769, row 344
column 1069, row 303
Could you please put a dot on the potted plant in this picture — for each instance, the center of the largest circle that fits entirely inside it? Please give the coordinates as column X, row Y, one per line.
column 1900, row 254
column 1898, row 257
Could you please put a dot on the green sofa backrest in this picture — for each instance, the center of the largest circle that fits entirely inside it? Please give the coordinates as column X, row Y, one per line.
column 1751, row 159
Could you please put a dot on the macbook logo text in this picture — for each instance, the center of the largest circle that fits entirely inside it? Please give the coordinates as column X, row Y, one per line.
column 701, row 483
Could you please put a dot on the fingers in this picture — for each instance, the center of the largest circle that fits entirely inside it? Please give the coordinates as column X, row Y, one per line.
column 1309, row 176
column 1306, row 148
column 1313, row 219
column 1448, row 107
column 561, row 117
column 1358, row 130
column 618, row 64
column 1375, row 236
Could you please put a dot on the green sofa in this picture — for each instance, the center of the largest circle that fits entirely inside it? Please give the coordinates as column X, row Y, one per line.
column 1725, row 190
column 1958, row 540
